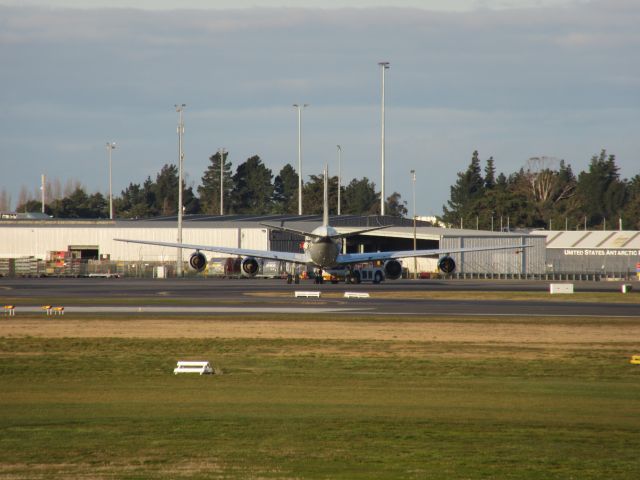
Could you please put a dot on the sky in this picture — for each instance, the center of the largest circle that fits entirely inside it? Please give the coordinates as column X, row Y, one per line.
column 511, row 79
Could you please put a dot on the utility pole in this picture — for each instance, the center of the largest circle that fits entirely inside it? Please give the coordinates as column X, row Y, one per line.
column 42, row 188
column 179, row 109
column 384, row 66
column 110, row 147
column 339, row 176
column 415, row 240
column 221, row 152
column 300, row 107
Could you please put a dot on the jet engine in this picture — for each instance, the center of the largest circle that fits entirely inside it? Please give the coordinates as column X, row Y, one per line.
column 198, row 261
column 249, row 267
column 392, row 269
column 446, row 264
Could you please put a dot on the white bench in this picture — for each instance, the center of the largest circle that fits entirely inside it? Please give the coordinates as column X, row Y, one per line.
column 315, row 294
column 555, row 288
column 356, row 295
column 193, row 367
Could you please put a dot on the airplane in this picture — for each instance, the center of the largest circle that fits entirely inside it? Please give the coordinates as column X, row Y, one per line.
column 322, row 249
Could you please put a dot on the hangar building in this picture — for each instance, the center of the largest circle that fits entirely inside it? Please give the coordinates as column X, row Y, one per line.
column 613, row 253
column 93, row 240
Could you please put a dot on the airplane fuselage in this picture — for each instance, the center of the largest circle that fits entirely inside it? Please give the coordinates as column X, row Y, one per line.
column 323, row 250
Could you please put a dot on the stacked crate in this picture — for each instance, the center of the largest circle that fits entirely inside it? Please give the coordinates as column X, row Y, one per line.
column 7, row 267
column 26, row 267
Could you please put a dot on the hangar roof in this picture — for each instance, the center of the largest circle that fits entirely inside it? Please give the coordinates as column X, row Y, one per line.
column 398, row 227
column 606, row 239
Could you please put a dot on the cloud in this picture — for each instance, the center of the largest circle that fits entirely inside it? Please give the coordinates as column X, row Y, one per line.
column 560, row 81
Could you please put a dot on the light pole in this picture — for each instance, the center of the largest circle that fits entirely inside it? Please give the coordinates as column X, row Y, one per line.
column 110, row 147
column 179, row 109
column 415, row 260
column 221, row 152
column 43, row 187
column 384, row 66
column 300, row 107
column 339, row 175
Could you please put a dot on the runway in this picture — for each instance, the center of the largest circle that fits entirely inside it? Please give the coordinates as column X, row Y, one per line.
column 265, row 297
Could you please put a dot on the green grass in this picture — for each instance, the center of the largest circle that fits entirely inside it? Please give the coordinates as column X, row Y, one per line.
column 111, row 408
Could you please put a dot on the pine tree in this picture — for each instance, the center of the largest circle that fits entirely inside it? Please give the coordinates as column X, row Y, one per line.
column 209, row 190
column 489, row 174
column 285, row 191
column 360, row 198
column 601, row 193
column 253, row 188
column 468, row 189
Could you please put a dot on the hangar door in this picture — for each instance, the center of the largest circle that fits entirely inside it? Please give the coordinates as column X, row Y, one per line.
column 84, row 252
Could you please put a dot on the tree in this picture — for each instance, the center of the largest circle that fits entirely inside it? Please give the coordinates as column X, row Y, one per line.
column 30, row 206
column 489, row 174
column 601, row 193
column 136, row 201
column 631, row 213
column 464, row 194
column 166, row 190
column 253, row 189
column 165, row 193
column 313, row 195
column 23, row 198
column 360, row 198
column 80, row 205
column 285, row 191
column 395, row 206
column 5, row 201
column 209, row 190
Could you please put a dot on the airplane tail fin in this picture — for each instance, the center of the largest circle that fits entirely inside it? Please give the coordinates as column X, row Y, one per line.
column 325, row 211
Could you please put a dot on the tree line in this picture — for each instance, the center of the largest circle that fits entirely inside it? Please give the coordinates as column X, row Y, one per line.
column 545, row 193
column 252, row 189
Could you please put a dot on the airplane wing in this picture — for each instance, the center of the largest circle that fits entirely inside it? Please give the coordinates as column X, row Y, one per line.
column 267, row 254
column 350, row 258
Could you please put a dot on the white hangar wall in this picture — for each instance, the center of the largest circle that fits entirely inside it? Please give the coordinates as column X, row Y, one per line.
column 38, row 240
column 525, row 261
column 593, row 252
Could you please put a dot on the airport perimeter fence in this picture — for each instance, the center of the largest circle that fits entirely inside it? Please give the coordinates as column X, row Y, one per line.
column 76, row 268
column 31, row 267
column 626, row 276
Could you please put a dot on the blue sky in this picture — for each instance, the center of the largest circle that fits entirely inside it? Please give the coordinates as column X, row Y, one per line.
column 512, row 79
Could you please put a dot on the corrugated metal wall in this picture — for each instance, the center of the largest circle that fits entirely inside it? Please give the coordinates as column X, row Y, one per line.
column 37, row 241
column 526, row 261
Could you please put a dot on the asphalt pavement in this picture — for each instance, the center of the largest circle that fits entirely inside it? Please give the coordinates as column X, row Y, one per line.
column 264, row 296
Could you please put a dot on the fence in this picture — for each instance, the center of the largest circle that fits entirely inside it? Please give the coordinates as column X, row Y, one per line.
column 32, row 267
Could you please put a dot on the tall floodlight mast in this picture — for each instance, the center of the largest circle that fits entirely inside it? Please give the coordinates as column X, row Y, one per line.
column 384, row 67
column 300, row 107
column 179, row 109
column 221, row 153
column 339, row 177
column 413, row 188
column 110, row 147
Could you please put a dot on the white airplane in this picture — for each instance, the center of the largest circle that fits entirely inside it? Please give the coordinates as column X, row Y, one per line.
column 322, row 249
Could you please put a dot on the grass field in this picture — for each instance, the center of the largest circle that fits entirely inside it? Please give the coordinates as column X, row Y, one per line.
column 110, row 407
